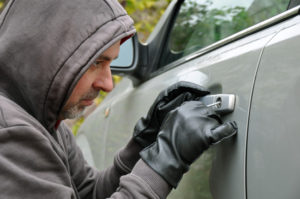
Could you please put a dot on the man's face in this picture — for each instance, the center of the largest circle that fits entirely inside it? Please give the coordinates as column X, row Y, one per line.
column 97, row 77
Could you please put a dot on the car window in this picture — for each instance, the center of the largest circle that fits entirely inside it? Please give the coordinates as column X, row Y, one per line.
column 200, row 23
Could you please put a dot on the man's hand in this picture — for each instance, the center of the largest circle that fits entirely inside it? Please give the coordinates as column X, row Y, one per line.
column 185, row 133
column 146, row 129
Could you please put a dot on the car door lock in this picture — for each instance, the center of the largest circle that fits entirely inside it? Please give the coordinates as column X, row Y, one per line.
column 221, row 103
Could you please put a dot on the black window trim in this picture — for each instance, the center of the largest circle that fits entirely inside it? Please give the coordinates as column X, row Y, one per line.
column 293, row 3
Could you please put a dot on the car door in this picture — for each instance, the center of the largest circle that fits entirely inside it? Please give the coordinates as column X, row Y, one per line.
column 214, row 48
column 273, row 159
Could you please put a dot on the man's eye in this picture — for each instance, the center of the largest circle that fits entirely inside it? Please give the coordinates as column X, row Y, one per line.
column 97, row 64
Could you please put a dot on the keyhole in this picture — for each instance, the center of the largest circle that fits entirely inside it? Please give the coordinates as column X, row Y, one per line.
column 219, row 102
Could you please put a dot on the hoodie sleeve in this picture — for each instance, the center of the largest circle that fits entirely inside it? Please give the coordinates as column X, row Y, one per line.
column 142, row 182
column 119, row 181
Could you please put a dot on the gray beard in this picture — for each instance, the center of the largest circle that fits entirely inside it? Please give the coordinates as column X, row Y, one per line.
column 76, row 110
column 73, row 112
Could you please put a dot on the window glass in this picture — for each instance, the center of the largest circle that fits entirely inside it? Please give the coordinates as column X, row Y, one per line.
column 200, row 23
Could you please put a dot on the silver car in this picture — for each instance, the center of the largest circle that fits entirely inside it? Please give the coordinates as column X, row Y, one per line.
column 249, row 49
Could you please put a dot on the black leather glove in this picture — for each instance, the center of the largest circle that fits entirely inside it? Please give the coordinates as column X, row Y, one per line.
column 185, row 133
column 146, row 129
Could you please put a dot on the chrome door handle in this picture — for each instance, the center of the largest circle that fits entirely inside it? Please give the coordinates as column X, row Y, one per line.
column 221, row 103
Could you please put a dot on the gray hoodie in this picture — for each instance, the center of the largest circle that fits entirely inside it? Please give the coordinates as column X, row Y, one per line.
column 45, row 47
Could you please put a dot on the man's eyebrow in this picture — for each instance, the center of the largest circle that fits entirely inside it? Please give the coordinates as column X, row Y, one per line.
column 106, row 58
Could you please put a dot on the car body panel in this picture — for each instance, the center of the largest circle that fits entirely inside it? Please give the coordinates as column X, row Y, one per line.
column 92, row 135
column 229, row 66
column 222, row 71
column 273, row 158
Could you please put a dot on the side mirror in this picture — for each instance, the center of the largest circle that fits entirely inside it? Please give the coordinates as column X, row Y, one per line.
column 127, row 61
column 132, row 60
column 126, row 55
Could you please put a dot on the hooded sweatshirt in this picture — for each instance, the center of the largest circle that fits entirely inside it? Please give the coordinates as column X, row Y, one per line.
column 45, row 48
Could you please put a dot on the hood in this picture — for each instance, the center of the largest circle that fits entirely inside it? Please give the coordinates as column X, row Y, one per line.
column 46, row 46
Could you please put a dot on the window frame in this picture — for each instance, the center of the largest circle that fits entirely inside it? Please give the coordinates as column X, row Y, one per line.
column 288, row 13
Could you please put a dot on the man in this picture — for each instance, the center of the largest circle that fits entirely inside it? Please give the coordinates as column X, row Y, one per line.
column 55, row 57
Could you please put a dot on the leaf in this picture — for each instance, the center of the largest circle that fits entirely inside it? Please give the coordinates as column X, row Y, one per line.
column 150, row 4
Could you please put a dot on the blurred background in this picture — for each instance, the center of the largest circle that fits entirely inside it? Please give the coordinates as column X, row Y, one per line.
column 145, row 13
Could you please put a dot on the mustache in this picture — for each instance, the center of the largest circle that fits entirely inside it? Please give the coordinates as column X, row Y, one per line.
column 90, row 95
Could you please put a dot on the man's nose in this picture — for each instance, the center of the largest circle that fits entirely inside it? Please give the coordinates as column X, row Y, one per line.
column 104, row 81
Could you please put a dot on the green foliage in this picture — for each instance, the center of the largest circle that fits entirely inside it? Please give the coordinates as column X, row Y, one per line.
column 200, row 24
column 2, row 4
column 77, row 124
column 145, row 13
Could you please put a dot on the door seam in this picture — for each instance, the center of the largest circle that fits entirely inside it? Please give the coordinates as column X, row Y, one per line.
column 249, row 110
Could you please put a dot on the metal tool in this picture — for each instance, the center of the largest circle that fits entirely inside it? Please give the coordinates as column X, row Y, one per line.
column 221, row 103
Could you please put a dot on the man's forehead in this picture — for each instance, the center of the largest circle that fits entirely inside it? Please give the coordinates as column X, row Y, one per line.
column 111, row 53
